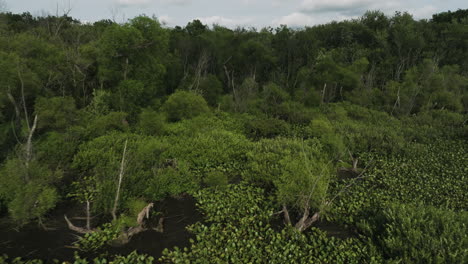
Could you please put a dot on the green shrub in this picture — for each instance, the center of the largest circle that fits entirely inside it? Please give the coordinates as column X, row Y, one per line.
column 99, row 238
column 151, row 123
column 266, row 128
column 423, row 234
column 102, row 125
column 184, row 105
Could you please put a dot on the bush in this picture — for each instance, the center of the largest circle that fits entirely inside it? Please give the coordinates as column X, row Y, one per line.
column 151, row 123
column 266, row 128
column 184, row 105
column 102, row 125
column 407, row 234
column 294, row 112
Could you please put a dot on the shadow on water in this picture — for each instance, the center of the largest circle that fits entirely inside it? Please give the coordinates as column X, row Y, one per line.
column 33, row 242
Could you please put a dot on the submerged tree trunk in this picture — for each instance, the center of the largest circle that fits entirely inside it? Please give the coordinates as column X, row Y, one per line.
column 77, row 229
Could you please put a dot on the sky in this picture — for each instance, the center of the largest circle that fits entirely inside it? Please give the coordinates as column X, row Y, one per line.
column 245, row 13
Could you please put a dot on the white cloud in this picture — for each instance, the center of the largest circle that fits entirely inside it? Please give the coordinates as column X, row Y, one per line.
column 175, row 2
column 295, row 20
column 335, row 5
column 133, row 2
column 147, row 2
column 423, row 12
column 224, row 21
column 165, row 19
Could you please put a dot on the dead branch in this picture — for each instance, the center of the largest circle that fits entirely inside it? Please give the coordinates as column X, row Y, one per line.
column 160, row 227
column 26, row 116
column 144, row 213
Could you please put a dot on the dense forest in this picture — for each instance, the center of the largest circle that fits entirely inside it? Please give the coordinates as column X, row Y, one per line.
column 339, row 143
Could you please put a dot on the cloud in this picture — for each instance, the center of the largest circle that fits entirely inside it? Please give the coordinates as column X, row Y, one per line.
column 133, row 2
column 166, row 19
column 295, row 19
column 423, row 12
column 224, row 21
column 176, row 2
column 346, row 6
column 299, row 19
column 147, row 2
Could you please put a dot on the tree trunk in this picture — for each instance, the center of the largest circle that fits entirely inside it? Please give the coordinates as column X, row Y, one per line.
column 28, row 154
column 117, row 195
column 26, row 116
column 287, row 219
column 305, row 223
column 80, row 230
column 323, row 92
column 88, row 216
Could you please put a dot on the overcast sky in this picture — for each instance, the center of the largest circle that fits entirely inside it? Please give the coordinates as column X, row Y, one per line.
column 256, row 13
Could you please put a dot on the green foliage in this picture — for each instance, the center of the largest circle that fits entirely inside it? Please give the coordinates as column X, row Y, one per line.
column 294, row 112
column 56, row 113
column 216, row 179
column 28, row 190
column 170, row 181
column 427, row 174
column 128, row 96
column 57, row 149
column 32, row 202
column 303, row 181
column 184, row 105
column 100, row 159
column 151, row 123
column 408, row 234
column 332, row 142
column 101, row 125
column 132, row 258
column 132, row 208
column 267, row 158
column 264, row 127
column 99, row 238
column 211, row 89
column 289, row 105
column 239, row 232
column 100, row 103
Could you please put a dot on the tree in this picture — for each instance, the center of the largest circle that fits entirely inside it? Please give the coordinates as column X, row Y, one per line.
column 300, row 174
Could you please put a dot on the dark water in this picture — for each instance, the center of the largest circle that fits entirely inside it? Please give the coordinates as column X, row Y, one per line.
column 32, row 241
